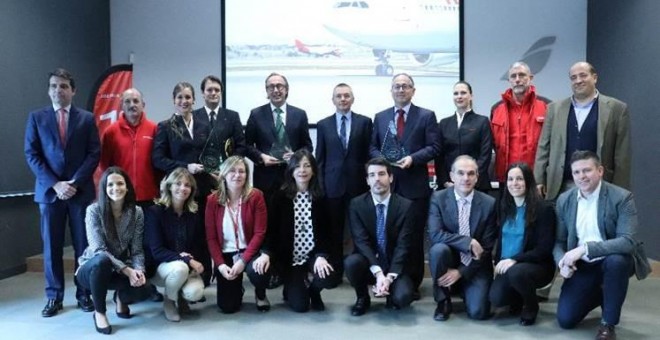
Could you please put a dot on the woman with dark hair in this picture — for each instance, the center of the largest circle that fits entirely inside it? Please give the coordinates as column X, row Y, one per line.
column 524, row 254
column 114, row 258
column 174, row 242
column 298, row 235
column 464, row 133
column 179, row 142
column 235, row 229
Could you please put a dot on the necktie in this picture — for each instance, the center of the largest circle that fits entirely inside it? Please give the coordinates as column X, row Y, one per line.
column 279, row 124
column 381, row 236
column 400, row 123
column 464, row 226
column 212, row 114
column 342, row 133
column 62, row 125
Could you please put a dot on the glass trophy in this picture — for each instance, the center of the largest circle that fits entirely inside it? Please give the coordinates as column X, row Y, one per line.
column 392, row 149
column 214, row 153
column 280, row 147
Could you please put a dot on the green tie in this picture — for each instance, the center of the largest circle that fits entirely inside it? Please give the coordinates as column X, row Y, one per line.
column 279, row 125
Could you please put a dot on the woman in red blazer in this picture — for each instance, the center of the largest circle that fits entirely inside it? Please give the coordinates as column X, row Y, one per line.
column 235, row 229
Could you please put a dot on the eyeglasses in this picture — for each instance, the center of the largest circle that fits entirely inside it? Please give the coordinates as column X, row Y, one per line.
column 401, row 87
column 274, row 87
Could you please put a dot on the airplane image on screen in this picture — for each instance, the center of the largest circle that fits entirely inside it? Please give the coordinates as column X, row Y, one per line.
column 317, row 50
column 426, row 29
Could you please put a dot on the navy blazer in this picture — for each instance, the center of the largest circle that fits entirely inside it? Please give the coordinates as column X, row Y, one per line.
column 474, row 138
column 161, row 226
column 227, row 127
column 260, row 135
column 52, row 162
column 342, row 172
column 443, row 227
column 419, row 139
column 399, row 225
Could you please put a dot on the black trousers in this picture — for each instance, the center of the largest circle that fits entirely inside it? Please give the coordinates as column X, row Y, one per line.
column 298, row 289
column 420, row 209
column 359, row 275
column 230, row 292
column 518, row 285
column 338, row 221
column 98, row 275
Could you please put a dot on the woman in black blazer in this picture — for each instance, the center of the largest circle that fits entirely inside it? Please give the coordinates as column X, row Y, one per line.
column 297, row 236
column 472, row 136
column 523, row 258
column 179, row 142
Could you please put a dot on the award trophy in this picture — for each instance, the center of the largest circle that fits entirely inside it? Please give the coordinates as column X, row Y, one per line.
column 280, row 147
column 214, row 153
column 392, row 149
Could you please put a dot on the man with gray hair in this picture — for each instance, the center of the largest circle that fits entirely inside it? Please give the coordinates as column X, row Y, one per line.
column 517, row 120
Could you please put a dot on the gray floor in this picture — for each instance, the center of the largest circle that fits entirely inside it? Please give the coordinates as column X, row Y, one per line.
column 21, row 302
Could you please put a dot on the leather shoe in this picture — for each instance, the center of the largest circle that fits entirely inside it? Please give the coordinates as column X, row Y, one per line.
column 528, row 315
column 443, row 310
column 126, row 312
column 416, row 295
column 86, row 304
column 263, row 305
column 51, row 308
column 104, row 330
column 606, row 332
column 316, row 303
column 361, row 306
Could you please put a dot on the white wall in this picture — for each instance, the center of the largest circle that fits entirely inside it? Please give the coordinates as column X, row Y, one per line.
column 169, row 41
column 498, row 33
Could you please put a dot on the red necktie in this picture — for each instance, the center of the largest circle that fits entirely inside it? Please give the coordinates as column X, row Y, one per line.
column 62, row 125
column 399, row 123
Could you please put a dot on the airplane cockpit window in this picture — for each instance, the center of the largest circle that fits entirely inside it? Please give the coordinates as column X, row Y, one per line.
column 342, row 4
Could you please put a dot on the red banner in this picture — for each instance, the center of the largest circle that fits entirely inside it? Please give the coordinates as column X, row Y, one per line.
column 105, row 99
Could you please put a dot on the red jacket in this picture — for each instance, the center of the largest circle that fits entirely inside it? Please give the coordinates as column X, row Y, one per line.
column 254, row 217
column 130, row 148
column 533, row 108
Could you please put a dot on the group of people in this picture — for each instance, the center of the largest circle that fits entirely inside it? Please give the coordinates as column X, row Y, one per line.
column 207, row 220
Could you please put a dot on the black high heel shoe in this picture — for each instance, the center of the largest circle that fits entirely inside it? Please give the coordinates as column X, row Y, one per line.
column 104, row 330
column 122, row 314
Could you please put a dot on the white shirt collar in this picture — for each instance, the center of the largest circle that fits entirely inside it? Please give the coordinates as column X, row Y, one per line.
column 591, row 196
column 469, row 197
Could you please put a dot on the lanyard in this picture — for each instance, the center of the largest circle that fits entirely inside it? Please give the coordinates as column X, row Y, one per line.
column 234, row 214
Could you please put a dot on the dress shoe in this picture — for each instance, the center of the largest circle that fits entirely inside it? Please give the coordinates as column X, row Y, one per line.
column 528, row 315
column 202, row 300
column 156, row 296
column 416, row 295
column 51, row 308
column 361, row 306
column 606, row 332
column 316, row 303
column 183, row 306
column 104, row 330
column 171, row 313
column 443, row 310
column 86, row 304
column 263, row 305
column 124, row 313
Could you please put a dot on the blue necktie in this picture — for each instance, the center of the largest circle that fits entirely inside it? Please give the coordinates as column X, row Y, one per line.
column 381, row 236
column 342, row 133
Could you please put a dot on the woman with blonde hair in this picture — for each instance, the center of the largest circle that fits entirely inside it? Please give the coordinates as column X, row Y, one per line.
column 235, row 229
column 174, row 240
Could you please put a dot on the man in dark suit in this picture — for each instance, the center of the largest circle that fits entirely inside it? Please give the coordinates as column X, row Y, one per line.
column 416, row 130
column 381, row 224
column 342, row 149
column 596, row 225
column 225, row 125
column 462, row 231
column 62, row 149
column 261, row 132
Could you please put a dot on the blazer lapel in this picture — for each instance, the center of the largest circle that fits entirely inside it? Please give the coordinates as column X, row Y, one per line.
column 411, row 121
column 452, row 208
column 475, row 214
column 603, row 120
column 561, row 121
column 71, row 124
column 333, row 132
column 602, row 198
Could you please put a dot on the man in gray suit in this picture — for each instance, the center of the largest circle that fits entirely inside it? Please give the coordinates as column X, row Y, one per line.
column 462, row 232
column 596, row 223
column 588, row 120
